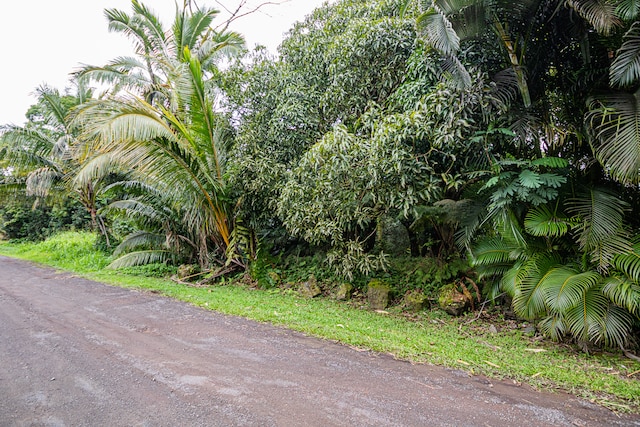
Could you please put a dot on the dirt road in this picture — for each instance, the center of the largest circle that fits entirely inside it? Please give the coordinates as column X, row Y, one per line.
column 79, row 353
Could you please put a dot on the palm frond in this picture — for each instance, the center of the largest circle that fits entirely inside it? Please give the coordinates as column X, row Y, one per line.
column 188, row 29
column 512, row 278
column 139, row 239
column 40, row 181
column 505, row 86
column 452, row 66
column 453, row 7
column 94, row 169
column 55, row 111
column 614, row 329
column 628, row 9
column 553, row 326
column 624, row 293
column 595, row 319
column 625, row 68
column 541, row 221
column 583, row 319
column 629, row 263
column 602, row 233
column 564, row 287
column 492, row 251
column 614, row 119
column 438, row 32
column 220, row 45
column 530, row 299
column 134, row 259
column 470, row 221
column 601, row 14
column 113, row 122
column 147, row 214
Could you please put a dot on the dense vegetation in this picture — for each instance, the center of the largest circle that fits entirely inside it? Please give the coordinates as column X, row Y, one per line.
column 486, row 146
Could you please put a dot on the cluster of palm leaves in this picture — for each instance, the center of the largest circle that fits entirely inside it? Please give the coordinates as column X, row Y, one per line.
column 151, row 145
column 568, row 259
column 42, row 153
column 157, row 125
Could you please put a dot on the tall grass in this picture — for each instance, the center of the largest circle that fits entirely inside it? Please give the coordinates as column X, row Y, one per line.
column 71, row 250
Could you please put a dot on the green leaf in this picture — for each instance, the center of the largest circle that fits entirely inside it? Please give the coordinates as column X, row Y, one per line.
column 530, row 299
column 629, row 263
column 550, row 162
column 438, row 31
column 529, row 179
column 601, row 232
column 564, row 287
column 541, row 221
column 614, row 118
column 625, row 69
column 133, row 259
column 624, row 293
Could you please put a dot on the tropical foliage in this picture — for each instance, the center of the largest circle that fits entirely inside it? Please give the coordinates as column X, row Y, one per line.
column 495, row 132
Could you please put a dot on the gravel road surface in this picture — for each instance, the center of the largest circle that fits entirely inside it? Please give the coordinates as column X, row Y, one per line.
column 79, row 353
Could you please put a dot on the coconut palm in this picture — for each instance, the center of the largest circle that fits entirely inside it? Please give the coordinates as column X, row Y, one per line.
column 41, row 151
column 180, row 152
column 159, row 50
column 159, row 123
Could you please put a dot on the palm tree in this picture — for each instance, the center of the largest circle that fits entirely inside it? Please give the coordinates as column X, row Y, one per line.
column 41, row 151
column 593, row 300
column 614, row 117
column 159, row 51
column 159, row 123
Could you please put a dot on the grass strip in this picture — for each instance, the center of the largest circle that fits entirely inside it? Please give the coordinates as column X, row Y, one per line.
column 459, row 343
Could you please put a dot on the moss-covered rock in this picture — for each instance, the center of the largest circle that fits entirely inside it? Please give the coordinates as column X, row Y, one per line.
column 414, row 301
column 310, row 288
column 378, row 294
column 343, row 291
column 451, row 300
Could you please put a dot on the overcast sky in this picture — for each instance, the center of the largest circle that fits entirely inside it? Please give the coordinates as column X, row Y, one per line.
column 42, row 41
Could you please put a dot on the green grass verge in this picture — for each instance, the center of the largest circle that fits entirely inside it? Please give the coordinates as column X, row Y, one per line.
column 430, row 337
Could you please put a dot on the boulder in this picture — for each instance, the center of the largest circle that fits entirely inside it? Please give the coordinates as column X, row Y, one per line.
column 310, row 288
column 378, row 293
column 343, row 292
column 274, row 279
column 451, row 300
column 414, row 301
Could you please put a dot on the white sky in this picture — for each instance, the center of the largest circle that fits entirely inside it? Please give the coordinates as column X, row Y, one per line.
column 42, row 41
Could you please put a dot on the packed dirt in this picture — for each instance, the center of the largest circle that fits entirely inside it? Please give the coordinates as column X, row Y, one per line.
column 79, row 353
